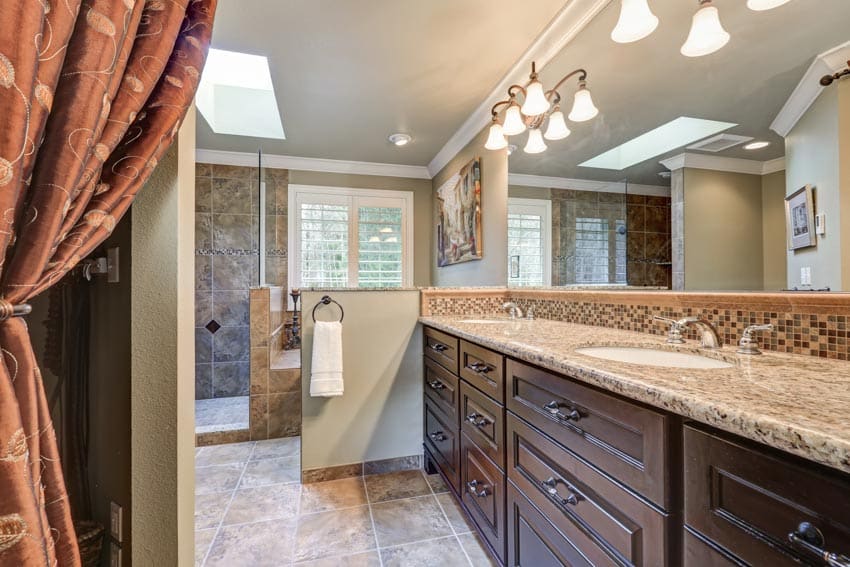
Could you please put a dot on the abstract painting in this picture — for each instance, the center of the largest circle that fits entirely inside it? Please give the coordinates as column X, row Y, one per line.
column 459, row 216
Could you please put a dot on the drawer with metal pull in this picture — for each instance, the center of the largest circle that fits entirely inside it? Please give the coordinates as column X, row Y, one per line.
column 441, row 439
column 441, row 348
column 763, row 506
column 630, row 442
column 483, row 420
column 607, row 523
column 441, row 386
column 484, row 369
column 483, row 494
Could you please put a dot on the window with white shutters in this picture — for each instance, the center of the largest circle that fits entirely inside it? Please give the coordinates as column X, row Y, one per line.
column 529, row 242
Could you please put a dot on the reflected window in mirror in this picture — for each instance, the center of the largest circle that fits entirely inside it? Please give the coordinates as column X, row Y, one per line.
column 529, row 242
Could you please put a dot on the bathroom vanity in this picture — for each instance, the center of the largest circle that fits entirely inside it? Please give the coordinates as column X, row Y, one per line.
column 563, row 459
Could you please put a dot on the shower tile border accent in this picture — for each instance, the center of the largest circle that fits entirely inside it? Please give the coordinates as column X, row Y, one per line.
column 808, row 324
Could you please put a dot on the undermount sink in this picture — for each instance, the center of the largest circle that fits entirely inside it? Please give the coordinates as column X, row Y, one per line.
column 654, row 357
column 484, row 321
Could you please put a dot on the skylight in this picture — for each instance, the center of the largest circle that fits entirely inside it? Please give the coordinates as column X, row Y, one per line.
column 675, row 134
column 236, row 95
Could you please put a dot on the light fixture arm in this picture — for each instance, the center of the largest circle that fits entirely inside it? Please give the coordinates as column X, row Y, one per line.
column 582, row 77
column 827, row 80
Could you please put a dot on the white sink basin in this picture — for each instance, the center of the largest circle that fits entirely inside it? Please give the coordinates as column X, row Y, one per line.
column 654, row 357
column 484, row 321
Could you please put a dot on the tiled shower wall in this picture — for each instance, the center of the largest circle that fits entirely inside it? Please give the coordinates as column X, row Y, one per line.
column 227, row 213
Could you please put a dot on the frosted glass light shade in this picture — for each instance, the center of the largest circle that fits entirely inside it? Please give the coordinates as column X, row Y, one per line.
column 761, row 5
column 535, row 100
column 583, row 107
column 496, row 139
column 514, row 122
column 707, row 34
column 557, row 128
column 636, row 21
column 535, row 143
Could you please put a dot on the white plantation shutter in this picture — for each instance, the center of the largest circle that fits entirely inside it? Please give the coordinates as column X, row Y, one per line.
column 529, row 242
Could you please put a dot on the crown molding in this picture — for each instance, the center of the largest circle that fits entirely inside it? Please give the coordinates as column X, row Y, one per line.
column 719, row 163
column 809, row 88
column 274, row 161
column 569, row 21
column 545, row 182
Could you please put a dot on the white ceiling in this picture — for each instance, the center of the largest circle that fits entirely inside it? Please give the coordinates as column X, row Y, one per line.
column 349, row 73
column 642, row 85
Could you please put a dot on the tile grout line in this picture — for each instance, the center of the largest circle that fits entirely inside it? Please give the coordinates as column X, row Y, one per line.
column 372, row 519
column 227, row 508
column 446, row 516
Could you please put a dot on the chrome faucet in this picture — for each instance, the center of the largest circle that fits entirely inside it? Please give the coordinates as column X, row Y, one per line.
column 749, row 344
column 513, row 309
column 708, row 334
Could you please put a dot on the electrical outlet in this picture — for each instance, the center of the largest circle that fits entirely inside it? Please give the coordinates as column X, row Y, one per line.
column 116, row 520
column 114, row 554
column 806, row 276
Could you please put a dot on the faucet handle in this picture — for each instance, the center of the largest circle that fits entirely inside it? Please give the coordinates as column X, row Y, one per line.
column 674, row 335
column 529, row 312
column 749, row 344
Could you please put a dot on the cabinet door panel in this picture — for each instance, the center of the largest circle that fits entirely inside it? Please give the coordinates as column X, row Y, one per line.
column 441, row 348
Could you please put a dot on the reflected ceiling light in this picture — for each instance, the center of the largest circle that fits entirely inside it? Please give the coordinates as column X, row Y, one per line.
column 707, row 34
column 511, row 148
column 636, row 21
column 399, row 139
column 756, row 145
column 538, row 105
column 535, row 144
column 761, row 5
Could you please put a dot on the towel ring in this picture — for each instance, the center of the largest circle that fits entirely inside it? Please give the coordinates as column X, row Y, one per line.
column 326, row 300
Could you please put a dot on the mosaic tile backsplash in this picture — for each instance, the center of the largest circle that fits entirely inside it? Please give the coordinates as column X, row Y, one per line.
column 818, row 330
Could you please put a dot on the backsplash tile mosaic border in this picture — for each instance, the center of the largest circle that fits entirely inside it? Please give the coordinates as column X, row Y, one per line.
column 813, row 325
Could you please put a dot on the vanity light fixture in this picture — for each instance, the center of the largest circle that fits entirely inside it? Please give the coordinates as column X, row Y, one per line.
column 756, row 145
column 538, row 105
column 636, row 21
column 399, row 139
column 762, row 5
column 707, row 34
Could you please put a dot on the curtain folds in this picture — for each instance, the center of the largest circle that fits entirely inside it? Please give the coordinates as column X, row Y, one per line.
column 92, row 93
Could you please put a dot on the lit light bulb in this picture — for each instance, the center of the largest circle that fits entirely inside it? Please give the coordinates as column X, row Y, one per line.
column 583, row 107
column 762, row 5
column 707, row 34
column 514, row 122
column 496, row 139
column 557, row 128
column 636, row 21
column 535, row 100
column 535, row 143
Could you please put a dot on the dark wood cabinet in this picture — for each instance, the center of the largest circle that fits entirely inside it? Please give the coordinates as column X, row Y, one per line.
column 746, row 499
column 441, row 348
column 443, row 441
column 484, row 369
column 443, row 388
column 483, row 420
column 483, row 494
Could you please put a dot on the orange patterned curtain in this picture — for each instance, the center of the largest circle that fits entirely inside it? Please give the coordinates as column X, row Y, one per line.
column 92, row 93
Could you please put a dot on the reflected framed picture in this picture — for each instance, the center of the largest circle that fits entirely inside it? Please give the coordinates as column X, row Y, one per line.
column 800, row 218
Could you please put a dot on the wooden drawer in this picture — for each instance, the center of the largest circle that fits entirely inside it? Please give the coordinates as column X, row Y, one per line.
column 634, row 444
column 700, row 553
column 533, row 541
column 607, row 523
column 441, row 348
column 441, row 386
column 483, row 495
column 484, row 369
column 483, row 420
column 748, row 498
column 442, row 439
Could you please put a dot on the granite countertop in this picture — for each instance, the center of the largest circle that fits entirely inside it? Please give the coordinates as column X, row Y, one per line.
column 799, row 404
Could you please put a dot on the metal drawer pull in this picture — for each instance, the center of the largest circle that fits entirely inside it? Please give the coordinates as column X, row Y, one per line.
column 438, row 436
column 554, row 409
column 480, row 367
column 809, row 538
column 436, row 385
column 473, row 485
column 439, row 347
column 550, row 485
column 478, row 420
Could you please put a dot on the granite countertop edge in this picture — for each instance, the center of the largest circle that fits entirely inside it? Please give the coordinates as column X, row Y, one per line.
column 808, row 441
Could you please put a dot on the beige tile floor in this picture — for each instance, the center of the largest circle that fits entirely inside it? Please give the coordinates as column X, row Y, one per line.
column 251, row 509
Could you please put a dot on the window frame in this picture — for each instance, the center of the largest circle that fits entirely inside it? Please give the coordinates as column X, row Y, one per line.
column 354, row 198
column 526, row 206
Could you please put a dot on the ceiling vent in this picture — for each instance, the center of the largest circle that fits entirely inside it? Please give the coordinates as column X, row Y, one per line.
column 719, row 143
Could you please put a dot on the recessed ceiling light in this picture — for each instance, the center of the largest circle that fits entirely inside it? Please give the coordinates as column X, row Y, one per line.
column 756, row 145
column 665, row 174
column 399, row 139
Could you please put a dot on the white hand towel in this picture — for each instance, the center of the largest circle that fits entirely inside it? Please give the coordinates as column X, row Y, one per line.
column 326, row 377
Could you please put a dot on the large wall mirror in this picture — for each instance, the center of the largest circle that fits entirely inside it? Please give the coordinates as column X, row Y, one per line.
column 728, row 171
